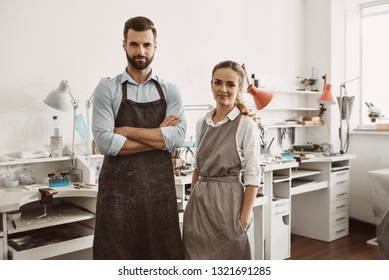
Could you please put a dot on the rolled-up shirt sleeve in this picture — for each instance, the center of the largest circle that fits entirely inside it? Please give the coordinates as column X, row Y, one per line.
column 250, row 151
column 199, row 125
column 174, row 136
column 103, row 122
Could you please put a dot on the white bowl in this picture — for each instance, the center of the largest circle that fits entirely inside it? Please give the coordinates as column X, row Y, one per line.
column 13, row 215
column 11, row 183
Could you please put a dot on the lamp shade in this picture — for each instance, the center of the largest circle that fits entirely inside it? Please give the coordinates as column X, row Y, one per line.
column 326, row 97
column 59, row 98
column 261, row 98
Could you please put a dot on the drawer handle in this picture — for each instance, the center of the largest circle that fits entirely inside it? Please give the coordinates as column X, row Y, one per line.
column 341, row 206
column 339, row 219
column 341, row 182
column 341, row 174
column 281, row 212
column 341, row 194
column 279, row 204
column 339, row 231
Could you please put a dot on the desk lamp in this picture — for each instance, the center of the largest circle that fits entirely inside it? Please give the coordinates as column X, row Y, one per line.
column 326, row 97
column 261, row 98
column 59, row 100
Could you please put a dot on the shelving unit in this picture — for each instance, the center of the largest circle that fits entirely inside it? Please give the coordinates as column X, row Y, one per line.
column 72, row 210
column 66, row 218
column 285, row 107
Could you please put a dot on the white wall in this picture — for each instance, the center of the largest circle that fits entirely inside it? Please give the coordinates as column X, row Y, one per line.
column 46, row 41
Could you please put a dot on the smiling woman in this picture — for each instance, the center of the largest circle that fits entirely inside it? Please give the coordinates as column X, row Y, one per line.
column 218, row 219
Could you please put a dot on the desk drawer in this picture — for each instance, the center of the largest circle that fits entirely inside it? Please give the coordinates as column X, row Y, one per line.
column 339, row 218
column 339, row 178
column 52, row 249
column 339, row 193
column 280, row 207
column 339, row 206
column 338, row 231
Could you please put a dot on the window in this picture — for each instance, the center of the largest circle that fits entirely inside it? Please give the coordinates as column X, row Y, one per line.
column 375, row 61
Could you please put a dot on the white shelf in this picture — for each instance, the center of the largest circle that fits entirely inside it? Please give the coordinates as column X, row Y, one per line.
column 289, row 125
column 299, row 173
column 308, row 187
column 285, row 91
column 34, row 160
column 56, row 249
column 339, row 168
column 291, row 109
column 56, row 215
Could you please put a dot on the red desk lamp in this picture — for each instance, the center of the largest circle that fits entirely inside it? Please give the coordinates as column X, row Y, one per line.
column 261, row 98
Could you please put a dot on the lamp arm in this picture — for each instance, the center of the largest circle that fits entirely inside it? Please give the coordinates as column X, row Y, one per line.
column 75, row 104
column 344, row 83
column 89, row 146
column 247, row 78
column 341, row 118
column 89, row 101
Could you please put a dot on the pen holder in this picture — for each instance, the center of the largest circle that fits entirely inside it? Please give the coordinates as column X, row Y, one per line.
column 62, row 182
column 265, row 152
column 59, row 179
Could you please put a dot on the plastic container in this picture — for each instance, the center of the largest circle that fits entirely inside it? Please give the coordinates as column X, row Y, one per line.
column 56, row 138
column 9, row 179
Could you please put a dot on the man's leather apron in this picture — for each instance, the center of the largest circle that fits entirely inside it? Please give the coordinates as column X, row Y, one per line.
column 136, row 213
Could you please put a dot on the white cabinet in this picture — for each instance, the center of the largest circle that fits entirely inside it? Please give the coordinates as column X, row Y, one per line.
column 308, row 199
column 324, row 214
column 277, row 185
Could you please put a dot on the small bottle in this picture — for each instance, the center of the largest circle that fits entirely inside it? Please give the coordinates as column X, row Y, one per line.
column 56, row 138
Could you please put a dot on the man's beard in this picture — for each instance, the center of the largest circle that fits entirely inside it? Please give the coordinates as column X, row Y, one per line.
column 139, row 65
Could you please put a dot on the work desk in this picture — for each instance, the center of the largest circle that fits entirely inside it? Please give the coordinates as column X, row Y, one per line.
column 71, row 207
column 308, row 198
column 318, row 208
column 12, row 199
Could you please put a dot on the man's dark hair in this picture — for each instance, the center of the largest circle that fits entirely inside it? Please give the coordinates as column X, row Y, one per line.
column 139, row 24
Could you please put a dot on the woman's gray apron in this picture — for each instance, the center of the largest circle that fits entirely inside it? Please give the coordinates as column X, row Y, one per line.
column 212, row 229
column 136, row 213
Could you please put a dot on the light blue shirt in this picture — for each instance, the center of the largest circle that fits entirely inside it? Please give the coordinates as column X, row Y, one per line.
column 106, row 102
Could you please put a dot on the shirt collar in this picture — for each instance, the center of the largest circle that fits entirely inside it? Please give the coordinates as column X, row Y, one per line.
column 231, row 115
column 127, row 78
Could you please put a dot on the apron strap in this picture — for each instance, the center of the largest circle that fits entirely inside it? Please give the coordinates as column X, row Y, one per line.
column 159, row 89
column 124, row 90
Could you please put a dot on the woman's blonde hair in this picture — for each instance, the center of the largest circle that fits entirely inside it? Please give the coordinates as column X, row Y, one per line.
column 239, row 70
